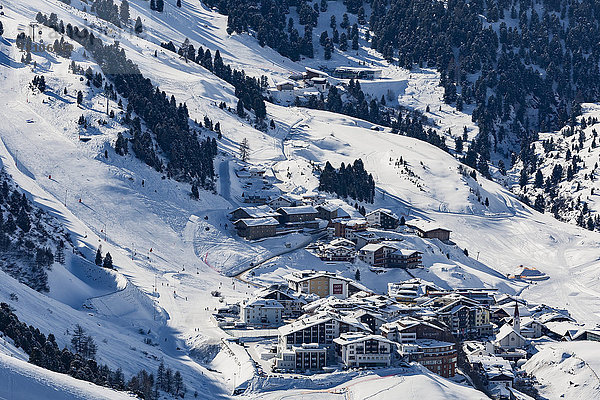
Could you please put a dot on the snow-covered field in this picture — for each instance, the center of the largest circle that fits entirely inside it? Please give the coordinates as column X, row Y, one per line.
column 567, row 370
column 417, row 383
column 157, row 234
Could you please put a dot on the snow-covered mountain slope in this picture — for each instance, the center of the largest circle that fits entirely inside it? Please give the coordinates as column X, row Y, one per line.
column 159, row 236
column 567, row 370
column 23, row 381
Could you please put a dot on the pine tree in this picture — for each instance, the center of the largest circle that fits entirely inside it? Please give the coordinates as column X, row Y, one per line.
column 357, row 275
column 1, row 29
column 124, row 11
column 327, row 52
column 168, row 387
column 179, row 3
column 240, row 109
column 178, row 386
column 90, row 348
column 79, row 340
column 160, row 376
column 79, row 97
column 138, row 26
column 523, row 178
column 99, row 259
column 121, row 147
column 195, row 192
column 540, row 203
column 458, row 145
column 160, row 5
column 108, row 262
column 539, row 179
column 343, row 42
column 60, row 252
column 244, row 149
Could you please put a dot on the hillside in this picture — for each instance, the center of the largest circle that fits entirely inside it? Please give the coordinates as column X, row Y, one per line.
column 170, row 250
column 24, row 381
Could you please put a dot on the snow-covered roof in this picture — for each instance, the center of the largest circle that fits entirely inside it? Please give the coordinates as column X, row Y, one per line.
column 328, row 207
column 357, row 337
column 358, row 69
column 494, row 367
column 431, row 343
column 406, row 252
column 297, row 210
column 257, row 211
column 316, row 71
column 341, row 242
column 424, row 226
column 383, row 211
column 263, row 303
column 319, row 318
column 284, row 82
column 376, row 246
column 505, row 331
column 267, row 221
column 283, row 197
column 407, row 323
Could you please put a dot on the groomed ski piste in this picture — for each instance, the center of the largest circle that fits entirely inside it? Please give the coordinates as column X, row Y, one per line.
column 168, row 249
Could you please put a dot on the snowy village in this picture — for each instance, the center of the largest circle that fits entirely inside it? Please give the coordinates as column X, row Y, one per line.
column 320, row 322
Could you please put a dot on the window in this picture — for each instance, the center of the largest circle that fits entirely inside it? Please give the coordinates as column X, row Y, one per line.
column 338, row 288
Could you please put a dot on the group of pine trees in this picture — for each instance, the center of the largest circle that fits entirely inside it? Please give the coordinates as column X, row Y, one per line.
column 499, row 70
column 188, row 159
column 248, row 90
column 157, row 5
column 30, row 240
column 106, row 261
column 348, row 181
column 39, row 82
column 80, row 360
column 349, row 33
column 354, row 103
column 109, row 11
column 268, row 19
column 559, row 191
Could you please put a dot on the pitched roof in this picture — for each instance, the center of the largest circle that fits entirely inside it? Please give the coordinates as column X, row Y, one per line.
column 319, row 318
column 328, row 207
column 376, row 246
column 406, row 252
column 268, row 221
column 383, row 211
column 349, row 338
column 424, row 226
column 505, row 331
column 297, row 210
column 264, row 303
column 257, row 211
column 316, row 71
